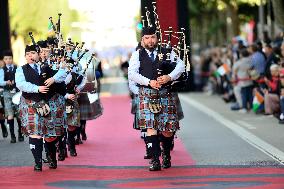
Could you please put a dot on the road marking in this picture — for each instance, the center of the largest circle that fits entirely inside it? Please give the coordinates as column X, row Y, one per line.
column 245, row 124
column 255, row 141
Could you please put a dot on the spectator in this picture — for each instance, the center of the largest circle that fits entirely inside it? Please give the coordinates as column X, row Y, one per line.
column 281, row 93
column 271, row 59
column 258, row 59
column 240, row 74
column 271, row 97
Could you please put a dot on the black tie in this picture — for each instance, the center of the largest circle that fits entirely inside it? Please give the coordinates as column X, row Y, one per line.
column 36, row 68
column 10, row 68
column 152, row 56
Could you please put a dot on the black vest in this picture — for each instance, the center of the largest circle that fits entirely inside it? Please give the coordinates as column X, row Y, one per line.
column 9, row 75
column 148, row 68
column 32, row 77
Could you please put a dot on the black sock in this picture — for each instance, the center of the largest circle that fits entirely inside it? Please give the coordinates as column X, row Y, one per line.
column 19, row 127
column 78, row 131
column 51, row 149
column 11, row 127
column 36, row 146
column 71, row 139
column 61, row 143
column 83, row 127
column 3, row 127
column 166, row 144
column 154, row 146
column 2, row 122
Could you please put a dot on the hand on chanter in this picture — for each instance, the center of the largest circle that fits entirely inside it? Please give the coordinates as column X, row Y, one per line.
column 43, row 89
column 49, row 81
column 154, row 84
column 163, row 79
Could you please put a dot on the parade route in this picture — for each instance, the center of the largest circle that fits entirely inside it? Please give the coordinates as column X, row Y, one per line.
column 112, row 157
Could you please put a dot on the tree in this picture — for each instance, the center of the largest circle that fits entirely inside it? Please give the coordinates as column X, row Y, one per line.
column 33, row 15
column 278, row 8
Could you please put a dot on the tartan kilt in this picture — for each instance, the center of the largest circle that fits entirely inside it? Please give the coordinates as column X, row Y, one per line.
column 89, row 111
column 50, row 126
column 2, row 110
column 134, row 107
column 8, row 105
column 179, row 107
column 73, row 119
column 166, row 119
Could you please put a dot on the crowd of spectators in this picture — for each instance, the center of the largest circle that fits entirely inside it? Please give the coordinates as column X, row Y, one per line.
column 251, row 77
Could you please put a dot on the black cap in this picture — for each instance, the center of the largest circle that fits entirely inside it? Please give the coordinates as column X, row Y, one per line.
column 30, row 48
column 148, row 31
column 42, row 44
column 52, row 41
column 7, row 53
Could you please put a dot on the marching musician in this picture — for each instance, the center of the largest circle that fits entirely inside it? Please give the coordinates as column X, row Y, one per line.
column 42, row 109
column 157, row 110
column 74, row 83
column 7, row 80
column 45, row 61
column 2, row 111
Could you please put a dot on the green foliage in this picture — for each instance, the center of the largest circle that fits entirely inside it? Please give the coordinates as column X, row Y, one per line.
column 32, row 15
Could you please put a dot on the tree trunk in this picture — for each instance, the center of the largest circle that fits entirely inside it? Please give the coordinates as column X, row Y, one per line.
column 5, row 42
column 233, row 11
column 278, row 8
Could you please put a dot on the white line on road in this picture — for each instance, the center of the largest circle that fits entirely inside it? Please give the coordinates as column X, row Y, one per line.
column 255, row 141
column 245, row 124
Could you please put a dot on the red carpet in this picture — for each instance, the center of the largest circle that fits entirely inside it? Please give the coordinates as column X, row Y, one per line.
column 113, row 142
column 112, row 157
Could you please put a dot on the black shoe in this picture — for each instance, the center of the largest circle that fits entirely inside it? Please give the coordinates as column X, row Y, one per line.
column 52, row 165
column 21, row 138
column 156, row 166
column 84, row 137
column 78, row 141
column 62, row 155
column 46, row 160
column 73, row 153
column 13, row 140
column 281, row 121
column 166, row 162
column 38, row 168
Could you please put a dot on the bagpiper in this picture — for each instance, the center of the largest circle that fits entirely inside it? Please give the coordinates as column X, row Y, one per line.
column 7, row 81
column 157, row 111
column 42, row 108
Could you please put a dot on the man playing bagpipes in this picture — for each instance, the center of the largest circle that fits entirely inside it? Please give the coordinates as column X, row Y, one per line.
column 74, row 83
column 157, row 105
column 42, row 108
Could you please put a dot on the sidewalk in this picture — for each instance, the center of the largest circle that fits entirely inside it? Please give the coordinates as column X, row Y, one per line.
column 265, row 127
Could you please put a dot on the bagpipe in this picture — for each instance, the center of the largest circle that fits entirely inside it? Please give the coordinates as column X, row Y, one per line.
column 166, row 49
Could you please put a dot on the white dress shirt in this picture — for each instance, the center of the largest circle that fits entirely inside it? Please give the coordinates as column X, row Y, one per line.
column 134, row 64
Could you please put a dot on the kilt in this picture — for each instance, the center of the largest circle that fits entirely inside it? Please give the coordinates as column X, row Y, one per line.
column 2, row 111
column 8, row 105
column 166, row 119
column 89, row 111
column 73, row 119
column 134, row 111
column 178, row 105
column 50, row 126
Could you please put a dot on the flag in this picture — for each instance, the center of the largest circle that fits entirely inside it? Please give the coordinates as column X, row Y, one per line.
column 50, row 28
column 224, row 69
column 257, row 101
